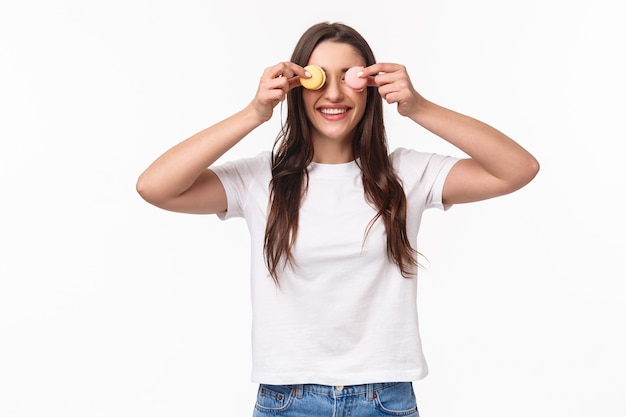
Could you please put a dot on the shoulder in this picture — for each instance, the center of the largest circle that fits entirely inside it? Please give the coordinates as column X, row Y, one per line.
column 400, row 155
column 405, row 158
column 249, row 166
column 421, row 167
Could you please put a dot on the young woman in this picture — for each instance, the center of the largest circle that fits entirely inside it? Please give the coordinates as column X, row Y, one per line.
column 333, row 219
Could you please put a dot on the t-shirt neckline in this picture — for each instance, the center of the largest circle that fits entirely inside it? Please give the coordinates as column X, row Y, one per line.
column 346, row 168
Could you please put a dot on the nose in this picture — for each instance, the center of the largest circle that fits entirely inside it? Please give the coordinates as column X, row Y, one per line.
column 334, row 88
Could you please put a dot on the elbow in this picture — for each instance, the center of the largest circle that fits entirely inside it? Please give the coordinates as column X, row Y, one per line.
column 142, row 188
column 532, row 168
column 147, row 190
column 526, row 172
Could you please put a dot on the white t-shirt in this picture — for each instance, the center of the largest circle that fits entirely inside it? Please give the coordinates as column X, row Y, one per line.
column 344, row 314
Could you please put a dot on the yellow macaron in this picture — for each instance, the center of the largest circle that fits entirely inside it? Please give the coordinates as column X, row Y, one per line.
column 317, row 79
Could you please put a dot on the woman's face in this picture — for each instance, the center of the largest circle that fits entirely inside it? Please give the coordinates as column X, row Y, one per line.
column 335, row 109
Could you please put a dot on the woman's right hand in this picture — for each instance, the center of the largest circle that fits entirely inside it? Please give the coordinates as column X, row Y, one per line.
column 274, row 85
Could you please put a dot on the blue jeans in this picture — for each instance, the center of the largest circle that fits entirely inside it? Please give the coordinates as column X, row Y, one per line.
column 308, row 400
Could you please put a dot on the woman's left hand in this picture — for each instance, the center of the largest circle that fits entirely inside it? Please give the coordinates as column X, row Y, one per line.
column 394, row 85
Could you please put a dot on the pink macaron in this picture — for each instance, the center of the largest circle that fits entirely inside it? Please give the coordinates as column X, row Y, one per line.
column 354, row 81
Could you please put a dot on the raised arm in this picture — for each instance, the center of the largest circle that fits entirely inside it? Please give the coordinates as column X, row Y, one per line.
column 497, row 165
column 180, row 179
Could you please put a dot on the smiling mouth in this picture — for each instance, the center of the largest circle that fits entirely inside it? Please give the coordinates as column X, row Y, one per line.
column 333, row 111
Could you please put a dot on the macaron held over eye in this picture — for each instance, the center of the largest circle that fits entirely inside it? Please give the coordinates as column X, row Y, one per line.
column 318, row 78
column 354, row 81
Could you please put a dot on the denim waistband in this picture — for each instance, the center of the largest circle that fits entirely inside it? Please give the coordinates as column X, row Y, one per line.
column 369, row 390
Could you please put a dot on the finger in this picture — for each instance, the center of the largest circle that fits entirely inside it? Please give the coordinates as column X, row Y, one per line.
column 295, row 81
column 291, row 70
column 290, row 74
column 279, row 70
column 392, row 97
column 383, row 67
column 385, row 90
column 391, row 73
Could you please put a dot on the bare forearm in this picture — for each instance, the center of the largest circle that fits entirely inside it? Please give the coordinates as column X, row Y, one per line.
column 493, row 150
column 177, row 169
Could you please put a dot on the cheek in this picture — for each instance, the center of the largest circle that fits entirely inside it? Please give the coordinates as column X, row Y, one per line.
column 361, row 103
column 308, row 100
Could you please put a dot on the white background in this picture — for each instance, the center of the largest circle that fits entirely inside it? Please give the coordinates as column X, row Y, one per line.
column 112, row 307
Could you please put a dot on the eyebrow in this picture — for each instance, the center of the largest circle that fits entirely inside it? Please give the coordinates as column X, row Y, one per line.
column 342, row 70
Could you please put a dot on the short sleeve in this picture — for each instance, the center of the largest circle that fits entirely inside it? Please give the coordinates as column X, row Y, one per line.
column 423, row 175
column 238, row 178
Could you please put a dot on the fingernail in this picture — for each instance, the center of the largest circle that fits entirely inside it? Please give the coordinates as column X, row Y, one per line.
column 308, row 74
column 359, row 74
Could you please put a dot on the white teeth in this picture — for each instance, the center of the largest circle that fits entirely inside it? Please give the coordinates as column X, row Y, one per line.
column 333, row 111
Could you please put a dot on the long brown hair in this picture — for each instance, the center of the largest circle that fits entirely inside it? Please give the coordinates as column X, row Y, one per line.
column 293, row 152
